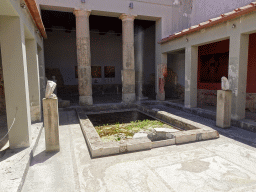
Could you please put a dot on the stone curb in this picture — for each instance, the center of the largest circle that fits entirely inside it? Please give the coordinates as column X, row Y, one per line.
column 243, row 124
column 195, row 131
column 97, row 148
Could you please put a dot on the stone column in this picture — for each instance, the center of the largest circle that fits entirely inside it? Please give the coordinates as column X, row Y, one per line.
column 33, row 80
column 237, row 74
column 83, row 57
column 161, row 73
column 139, row 54
column 41, row 74
column 191, row 62
column 14, row 63
column 128, row 72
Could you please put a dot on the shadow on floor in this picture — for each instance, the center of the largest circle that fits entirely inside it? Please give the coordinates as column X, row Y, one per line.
column 42, row 157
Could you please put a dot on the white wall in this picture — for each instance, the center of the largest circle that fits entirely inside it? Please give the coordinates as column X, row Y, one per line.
column 146, row 9
column 187, row 13
column 106, row 50
column 176, row 14
column 204, row 10
column 177, row 63
column 60, row 52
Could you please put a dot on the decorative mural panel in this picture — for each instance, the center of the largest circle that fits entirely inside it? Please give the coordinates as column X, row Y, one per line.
column 109, row 71
column 213, row 67
column 96, row 71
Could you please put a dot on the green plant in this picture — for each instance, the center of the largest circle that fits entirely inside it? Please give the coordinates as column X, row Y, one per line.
column 127, row 129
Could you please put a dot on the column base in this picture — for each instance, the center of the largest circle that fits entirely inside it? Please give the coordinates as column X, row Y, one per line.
column 189, row 106
column 141, row 98
column 128, row 97
column 35, row 112
column 85, row 100
column 160, row 96
column 237, row 117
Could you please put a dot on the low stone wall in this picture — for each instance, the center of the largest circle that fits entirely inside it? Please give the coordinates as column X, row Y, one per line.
column 251, row 102
column 206, row 97
column 2, row 98
column 209, row 97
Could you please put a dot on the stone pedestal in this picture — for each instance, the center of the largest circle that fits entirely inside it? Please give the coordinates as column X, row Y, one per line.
column 51, row 124
column 83, row 57
column 223, row 115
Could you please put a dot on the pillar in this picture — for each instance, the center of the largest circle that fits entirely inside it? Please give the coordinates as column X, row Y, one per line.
column 14, row 62
column 191, row 62
column 42, row 79
column 33, row 80
column 158, row 52
column 139, row 68
column 83, row 57
column 237, row 74
column 161, row 73
column 128, row 72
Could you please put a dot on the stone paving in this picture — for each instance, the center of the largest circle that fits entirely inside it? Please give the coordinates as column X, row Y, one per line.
column 224, row 164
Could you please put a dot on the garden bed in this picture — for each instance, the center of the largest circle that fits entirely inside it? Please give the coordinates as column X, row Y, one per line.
column 123, row 125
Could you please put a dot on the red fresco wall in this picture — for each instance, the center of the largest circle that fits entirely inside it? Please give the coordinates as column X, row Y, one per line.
column 222, row 47
column 251, row 67
column 210, row 49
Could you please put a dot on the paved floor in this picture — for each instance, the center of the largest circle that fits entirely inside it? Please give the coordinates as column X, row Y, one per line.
column 224, row 164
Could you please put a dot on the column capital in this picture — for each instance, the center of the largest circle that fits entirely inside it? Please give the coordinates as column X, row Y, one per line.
column 125, row 17
column 82, row 12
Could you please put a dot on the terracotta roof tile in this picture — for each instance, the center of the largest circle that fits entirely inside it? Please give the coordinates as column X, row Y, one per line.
column 31, row 4
column 214, row 21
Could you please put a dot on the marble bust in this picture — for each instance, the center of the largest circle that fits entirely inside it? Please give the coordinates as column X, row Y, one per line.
column 224, row 84
column 51, row 85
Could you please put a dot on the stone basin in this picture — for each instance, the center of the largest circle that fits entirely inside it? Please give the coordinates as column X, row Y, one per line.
column 187, row 131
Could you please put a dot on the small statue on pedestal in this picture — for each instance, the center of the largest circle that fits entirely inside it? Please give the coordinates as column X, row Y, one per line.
column 225, row 84
column 51, row 85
